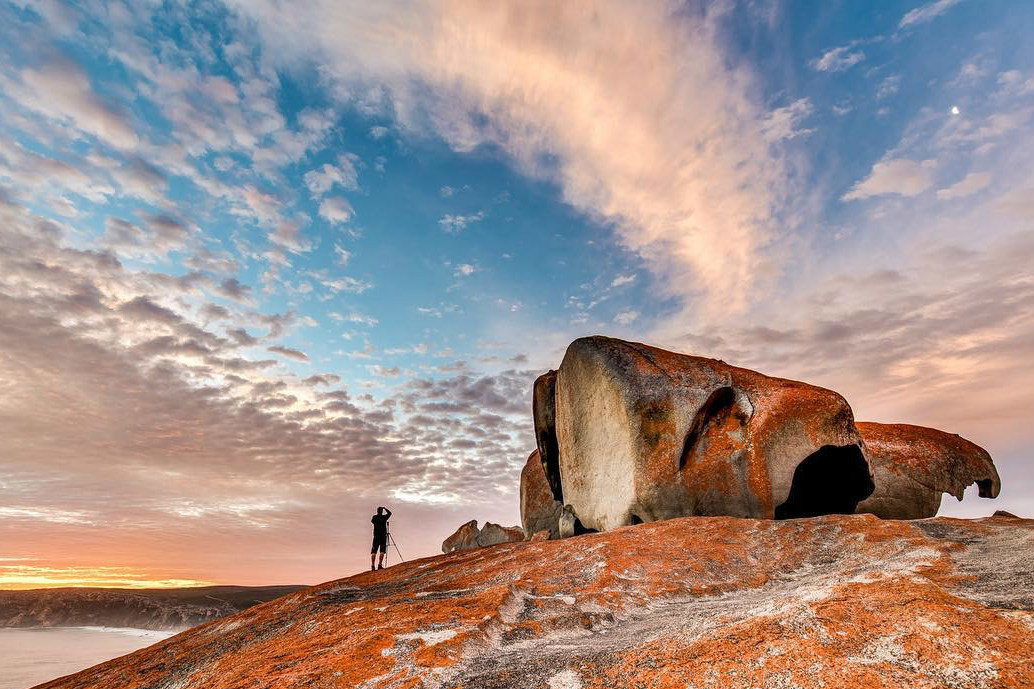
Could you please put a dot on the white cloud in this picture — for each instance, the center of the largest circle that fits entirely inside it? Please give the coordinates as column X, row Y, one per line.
column 360, row 318
column 838, row 59
column 970, row 184
column 888, row 87
column 61, row 90
column 336, row 209
column 623, row 280
column 784, row 123
column 464, row 269
column 926, row 12
column 342, row 255
column 901, row 176
column 695, row 182
column 626, row 317
column 321, row 180
column 454, row 224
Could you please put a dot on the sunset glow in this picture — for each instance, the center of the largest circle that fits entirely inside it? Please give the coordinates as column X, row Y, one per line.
column 267, row 265
column 21, row 575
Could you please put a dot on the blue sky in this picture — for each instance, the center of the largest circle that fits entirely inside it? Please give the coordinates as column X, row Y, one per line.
column 266, row 265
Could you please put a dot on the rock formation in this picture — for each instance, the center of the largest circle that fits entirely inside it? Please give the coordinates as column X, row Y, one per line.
column 468, row 536
column 913, row 466
column 709, row 603
column 543, row 407
column 539, row 511
column 644, row 434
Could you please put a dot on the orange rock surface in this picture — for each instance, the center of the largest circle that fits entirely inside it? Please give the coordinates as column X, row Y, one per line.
column 836, row 601
column 645, row 434
column 539, row 511
column 914, row 465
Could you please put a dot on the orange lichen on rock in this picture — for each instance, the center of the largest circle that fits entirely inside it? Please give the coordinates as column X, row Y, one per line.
column 914, row 465
column 835, row 601
column 539, row 510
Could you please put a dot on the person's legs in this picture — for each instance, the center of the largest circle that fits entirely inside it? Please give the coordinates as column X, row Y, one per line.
column 382, row 544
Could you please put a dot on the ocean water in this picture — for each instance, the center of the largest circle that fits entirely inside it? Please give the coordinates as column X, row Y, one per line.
column 31, row 656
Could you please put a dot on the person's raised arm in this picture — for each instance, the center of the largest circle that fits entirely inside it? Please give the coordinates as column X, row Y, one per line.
column 387, row 513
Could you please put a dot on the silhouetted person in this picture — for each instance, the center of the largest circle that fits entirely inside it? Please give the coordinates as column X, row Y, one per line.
column 380, row 536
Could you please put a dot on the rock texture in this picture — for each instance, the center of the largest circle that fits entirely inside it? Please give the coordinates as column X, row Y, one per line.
column 914, row 465
column 468, row 536
column 158, row 609
column 708, row 603
column 543, row 412
column 644, row 434
column 539, row 511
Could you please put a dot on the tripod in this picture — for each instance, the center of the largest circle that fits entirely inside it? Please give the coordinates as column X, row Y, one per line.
column 391, row 539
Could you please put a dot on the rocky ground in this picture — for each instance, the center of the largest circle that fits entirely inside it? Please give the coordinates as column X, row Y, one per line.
column 158, row 609
column 837, row 601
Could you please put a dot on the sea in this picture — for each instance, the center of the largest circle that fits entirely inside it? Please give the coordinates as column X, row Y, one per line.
column 31, row 656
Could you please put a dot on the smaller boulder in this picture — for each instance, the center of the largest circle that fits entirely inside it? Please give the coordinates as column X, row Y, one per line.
column 543, row 535
column 914, row 465
column 469, row 537
column 464, row 538
column 538, row 508
column 494, row 534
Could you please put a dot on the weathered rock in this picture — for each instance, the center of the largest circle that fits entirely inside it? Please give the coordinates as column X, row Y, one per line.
column 463, row 538
column 709, row 603
column 539, row 511
column 469, row 537
column 543, row 408
column 543, row 535
column 913, row 465
column 646, row 434
column 494, row 534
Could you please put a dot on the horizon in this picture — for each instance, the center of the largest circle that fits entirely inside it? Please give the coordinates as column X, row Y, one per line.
column 265, row 267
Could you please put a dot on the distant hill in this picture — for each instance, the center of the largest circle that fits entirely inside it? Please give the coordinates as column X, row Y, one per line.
column 160, row 609
column 706, row 602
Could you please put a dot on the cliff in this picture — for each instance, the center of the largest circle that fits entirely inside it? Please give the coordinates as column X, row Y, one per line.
column 707, row 602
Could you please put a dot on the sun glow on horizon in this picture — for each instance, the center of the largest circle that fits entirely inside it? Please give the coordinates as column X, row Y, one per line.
column 18, row 574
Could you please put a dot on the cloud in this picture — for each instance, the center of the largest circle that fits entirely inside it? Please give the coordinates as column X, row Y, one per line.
column 692, row 187
column 323, row 179
column 61, row 90
column 360, row 318
column 288, row 352
column 838, row 59
column 78, row 326
column 925, row 13
column 626, row 317
column 784, row 123
column 623, row 280
column 970, row 184
column 465, row 269
column 336, row 209
column 896, row 176
column 888, row 87
column 454, row 224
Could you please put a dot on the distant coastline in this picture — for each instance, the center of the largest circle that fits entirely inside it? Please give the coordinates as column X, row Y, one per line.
column 162, row 610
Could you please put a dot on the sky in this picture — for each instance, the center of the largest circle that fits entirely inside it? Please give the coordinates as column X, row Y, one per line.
column 267, row 265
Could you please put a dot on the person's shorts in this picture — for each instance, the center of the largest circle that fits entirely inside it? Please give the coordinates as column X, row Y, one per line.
column 379, row 543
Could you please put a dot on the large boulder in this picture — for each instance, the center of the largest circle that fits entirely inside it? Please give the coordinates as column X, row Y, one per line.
column 539, row 511
column 645, row 434
column 914, row 465
column 468, row 536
